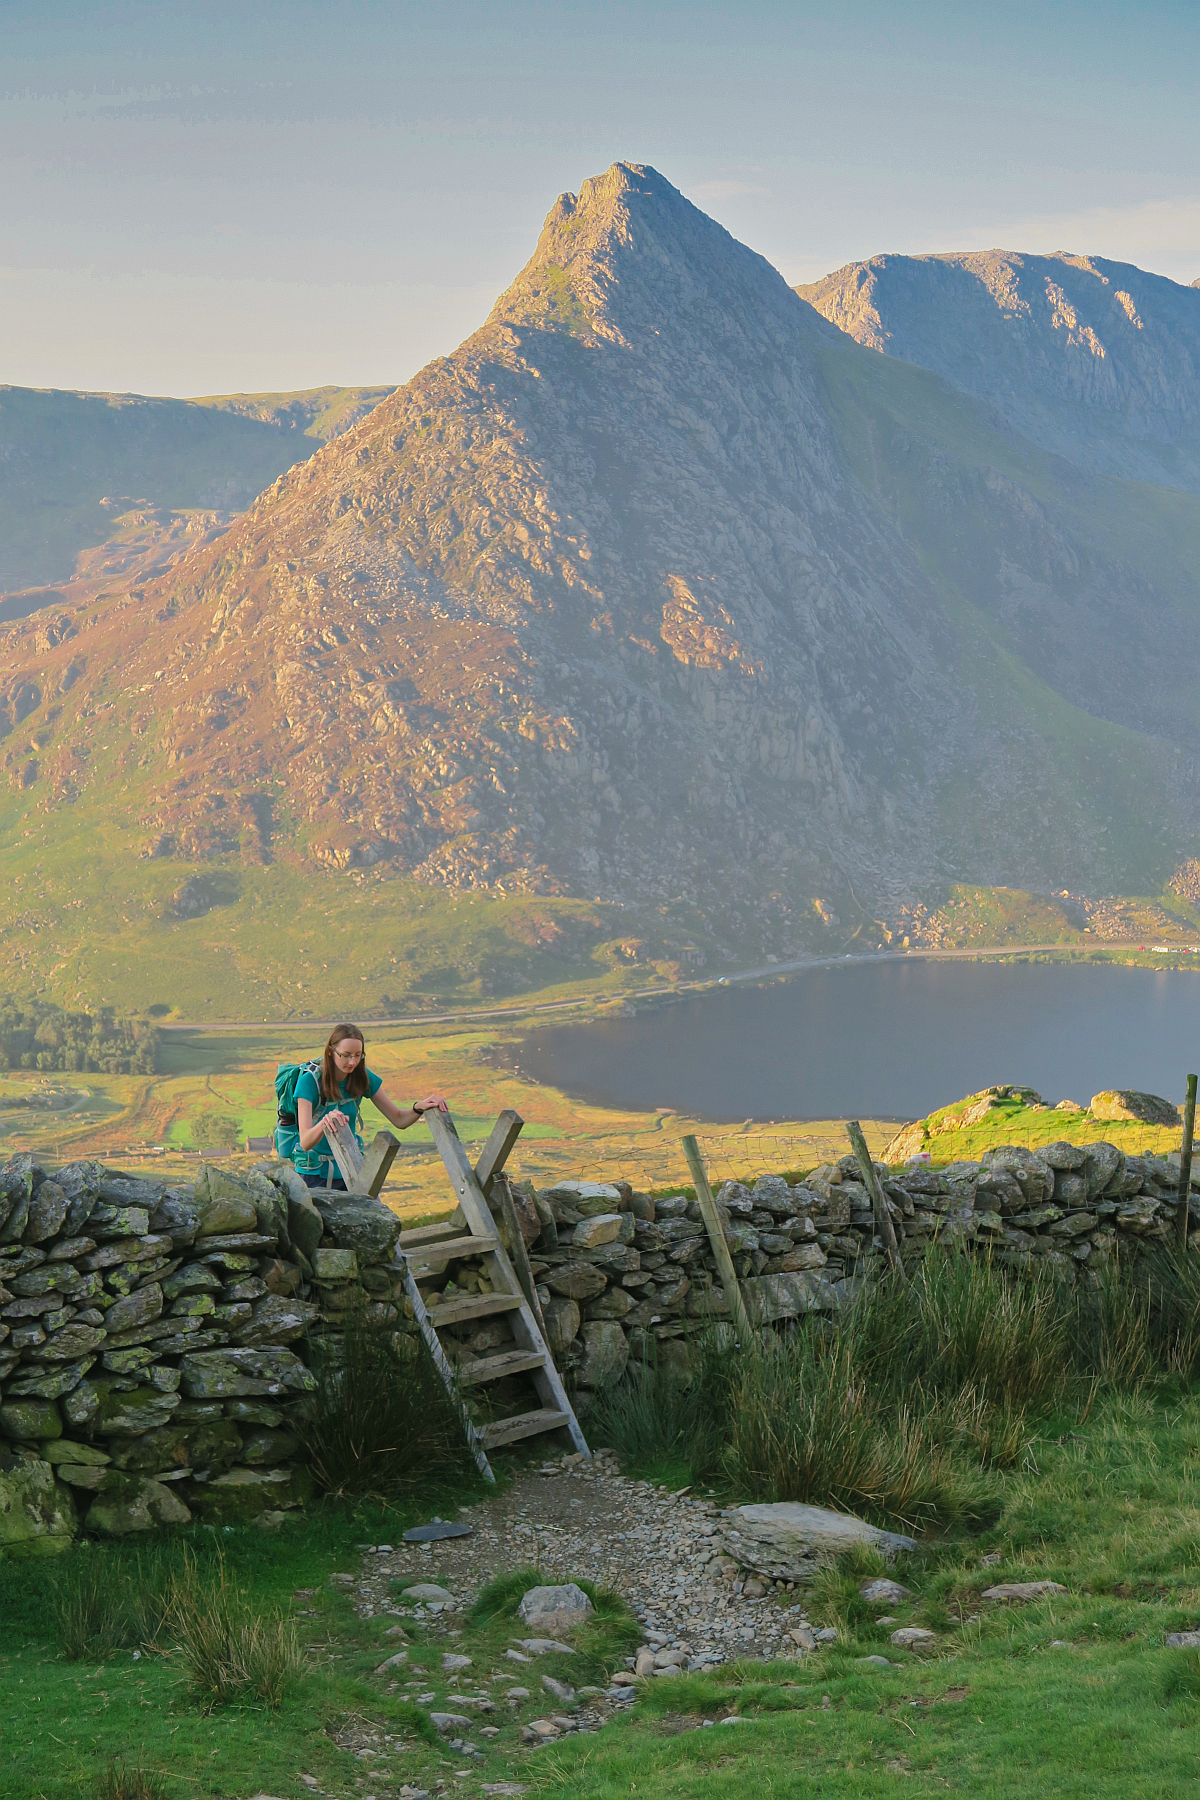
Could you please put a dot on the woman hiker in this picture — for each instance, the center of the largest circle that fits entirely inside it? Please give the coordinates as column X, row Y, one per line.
column 330, row 1093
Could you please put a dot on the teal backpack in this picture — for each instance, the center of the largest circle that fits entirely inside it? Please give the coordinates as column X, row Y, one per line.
column 287, row 1124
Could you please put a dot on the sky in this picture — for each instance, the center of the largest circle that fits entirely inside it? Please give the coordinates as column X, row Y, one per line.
column 201, row 197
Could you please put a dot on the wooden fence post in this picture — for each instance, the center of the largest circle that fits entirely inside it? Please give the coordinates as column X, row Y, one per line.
column 1185, row 1164
column 883, row 1219
column 716, row 1237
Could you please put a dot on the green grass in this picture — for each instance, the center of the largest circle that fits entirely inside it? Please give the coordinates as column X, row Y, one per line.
column 1011, row 1121
column 1105, row 1504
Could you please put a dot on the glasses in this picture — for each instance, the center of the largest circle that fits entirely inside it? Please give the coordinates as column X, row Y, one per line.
column 347, row 1056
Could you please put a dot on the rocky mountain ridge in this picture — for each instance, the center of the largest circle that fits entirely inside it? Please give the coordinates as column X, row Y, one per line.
column 660, row 585
column 1096, row 360
column 97, row 490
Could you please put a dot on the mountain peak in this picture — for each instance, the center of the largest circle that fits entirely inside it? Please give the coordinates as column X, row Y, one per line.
column 630, row 255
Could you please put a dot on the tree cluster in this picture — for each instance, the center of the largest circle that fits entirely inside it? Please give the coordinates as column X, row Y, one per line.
column 35, row 1034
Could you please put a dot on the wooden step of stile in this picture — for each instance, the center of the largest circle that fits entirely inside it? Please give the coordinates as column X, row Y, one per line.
column 473, row 1306
column 494, row 1368
column 425, row 1258
column 426, row 1234
column 522, row 1425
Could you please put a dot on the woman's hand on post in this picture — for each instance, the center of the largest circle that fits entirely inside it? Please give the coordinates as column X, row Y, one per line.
column 434, row 1103
column 333, row 1118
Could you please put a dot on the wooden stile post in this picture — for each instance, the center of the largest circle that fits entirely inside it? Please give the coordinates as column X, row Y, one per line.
column 716, row 1237
column 883, row 1219
column 1185, row 1164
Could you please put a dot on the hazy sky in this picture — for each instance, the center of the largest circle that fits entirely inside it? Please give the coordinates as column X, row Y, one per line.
column 200, row 197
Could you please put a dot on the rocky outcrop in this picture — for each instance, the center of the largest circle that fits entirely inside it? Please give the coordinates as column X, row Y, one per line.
column 1128, row 1103
column 154, row 1342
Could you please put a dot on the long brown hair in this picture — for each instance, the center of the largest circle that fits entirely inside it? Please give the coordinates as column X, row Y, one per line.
column 356, row 1081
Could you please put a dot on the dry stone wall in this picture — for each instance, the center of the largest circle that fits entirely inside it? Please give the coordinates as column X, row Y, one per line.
column 155, row 1342
column 622, row 1275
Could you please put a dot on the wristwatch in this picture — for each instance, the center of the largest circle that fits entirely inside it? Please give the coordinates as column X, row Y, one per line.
column 417, row 1109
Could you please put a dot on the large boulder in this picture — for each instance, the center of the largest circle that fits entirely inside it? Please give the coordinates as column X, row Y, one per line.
column 358, row 1223
column 554, row 1612
column 1128, row 1103
column 788, row 1541
column 37, row 1514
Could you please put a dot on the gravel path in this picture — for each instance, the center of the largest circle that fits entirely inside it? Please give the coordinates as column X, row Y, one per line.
column 662, row 1552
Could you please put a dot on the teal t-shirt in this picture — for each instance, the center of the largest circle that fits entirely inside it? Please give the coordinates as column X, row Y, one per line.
column 316, row 1161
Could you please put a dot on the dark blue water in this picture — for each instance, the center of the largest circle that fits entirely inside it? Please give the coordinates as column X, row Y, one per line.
column 885, row 1040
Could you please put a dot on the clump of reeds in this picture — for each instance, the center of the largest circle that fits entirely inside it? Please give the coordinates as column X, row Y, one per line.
column 902, row 1407
column 381, row 1422
column 228, row 1649
column 120, row 1782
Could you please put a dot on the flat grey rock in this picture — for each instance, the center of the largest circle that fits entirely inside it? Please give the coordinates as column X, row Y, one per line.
column 427, row 1590
column 1182, row 1640
column 1022, row 1590
column 788, row 1541
column 435, row 1531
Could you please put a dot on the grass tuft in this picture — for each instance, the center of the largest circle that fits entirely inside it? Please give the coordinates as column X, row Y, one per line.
column 89, row 1610
column 382, row 1424
column 228, row 1649
column 500, row 1597
column 120, row 1782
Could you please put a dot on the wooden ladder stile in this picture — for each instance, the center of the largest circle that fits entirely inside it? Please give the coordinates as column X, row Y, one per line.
column 429, row 1248
column 365, row 1173
column 508, row 1291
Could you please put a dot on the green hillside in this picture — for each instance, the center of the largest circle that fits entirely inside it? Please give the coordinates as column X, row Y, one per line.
column 1097, row 702
column 62, row 453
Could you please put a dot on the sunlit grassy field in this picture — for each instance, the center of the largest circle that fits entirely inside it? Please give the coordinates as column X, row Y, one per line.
column 216, row 1089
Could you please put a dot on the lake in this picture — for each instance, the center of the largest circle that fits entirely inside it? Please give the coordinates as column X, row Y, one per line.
column 884, row 1040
